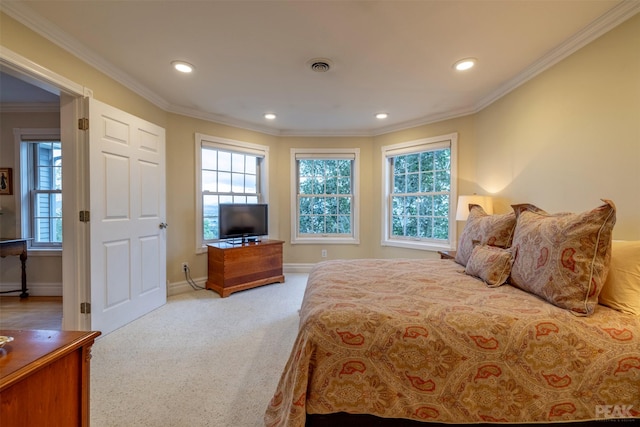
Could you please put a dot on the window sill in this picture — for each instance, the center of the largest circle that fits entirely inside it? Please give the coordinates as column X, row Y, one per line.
column 423, row 246
column 325, row 241
column 42, row 252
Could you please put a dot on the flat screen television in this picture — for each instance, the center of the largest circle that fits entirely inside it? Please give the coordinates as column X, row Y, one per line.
column 243, row 221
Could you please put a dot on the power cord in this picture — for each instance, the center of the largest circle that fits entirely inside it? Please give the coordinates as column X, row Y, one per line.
column 190, row 281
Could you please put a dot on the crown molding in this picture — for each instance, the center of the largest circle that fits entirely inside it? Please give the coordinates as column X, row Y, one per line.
column 42, row 26
column 611, row 19
column 614, row 17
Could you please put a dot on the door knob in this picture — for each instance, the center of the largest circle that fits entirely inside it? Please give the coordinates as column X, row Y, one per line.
column 163, row 225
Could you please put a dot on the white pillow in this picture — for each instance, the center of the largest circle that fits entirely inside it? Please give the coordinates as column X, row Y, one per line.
column 621, row 290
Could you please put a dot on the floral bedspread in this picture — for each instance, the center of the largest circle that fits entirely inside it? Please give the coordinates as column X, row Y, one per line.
column 419, row 339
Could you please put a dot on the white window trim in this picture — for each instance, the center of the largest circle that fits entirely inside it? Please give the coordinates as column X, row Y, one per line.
column 324, row 153
column 449, row 140
column 229, row 145
column 21, row 182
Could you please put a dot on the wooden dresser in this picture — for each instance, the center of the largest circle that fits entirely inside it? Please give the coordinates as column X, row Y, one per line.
column 44, row 378
column 233, row 268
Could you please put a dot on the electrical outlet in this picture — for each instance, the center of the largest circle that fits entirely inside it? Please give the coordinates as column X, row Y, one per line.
column 324, row 253
column 185, row 266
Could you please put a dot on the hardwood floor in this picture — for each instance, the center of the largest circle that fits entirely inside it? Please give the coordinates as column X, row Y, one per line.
column 31, row 313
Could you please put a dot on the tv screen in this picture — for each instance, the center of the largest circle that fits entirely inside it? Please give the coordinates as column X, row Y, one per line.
column 243, row 220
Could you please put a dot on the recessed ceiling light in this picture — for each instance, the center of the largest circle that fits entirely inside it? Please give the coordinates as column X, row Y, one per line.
column 465, row 64
column 183, row 67
column 269, row 116
column 381, row 116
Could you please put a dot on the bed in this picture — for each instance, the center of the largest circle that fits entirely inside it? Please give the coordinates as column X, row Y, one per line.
column 426, row 341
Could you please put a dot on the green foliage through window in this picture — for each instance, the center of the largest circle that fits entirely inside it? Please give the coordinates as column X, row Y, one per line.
column 420, row 195
column 325, row 196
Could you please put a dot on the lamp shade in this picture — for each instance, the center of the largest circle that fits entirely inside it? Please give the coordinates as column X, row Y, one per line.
column 462, row 213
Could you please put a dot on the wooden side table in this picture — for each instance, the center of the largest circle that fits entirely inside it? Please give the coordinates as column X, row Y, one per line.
column 44, row 378
column 447, row 254
column 16, row 247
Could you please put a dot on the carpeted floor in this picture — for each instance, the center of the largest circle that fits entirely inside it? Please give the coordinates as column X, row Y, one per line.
column 200, row 360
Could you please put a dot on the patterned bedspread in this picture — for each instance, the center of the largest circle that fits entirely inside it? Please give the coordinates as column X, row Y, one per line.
column 419, row 339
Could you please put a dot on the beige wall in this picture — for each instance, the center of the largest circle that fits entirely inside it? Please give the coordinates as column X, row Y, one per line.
column 181, row 202
column 570, row 136
column 563, row 140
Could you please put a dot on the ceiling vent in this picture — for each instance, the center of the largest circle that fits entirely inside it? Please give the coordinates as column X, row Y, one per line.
column 319, row 65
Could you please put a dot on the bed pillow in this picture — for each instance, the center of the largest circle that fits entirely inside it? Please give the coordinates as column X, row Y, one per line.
column 564, row 258
column 494, row 230
column 491, row 264
column 621, row 290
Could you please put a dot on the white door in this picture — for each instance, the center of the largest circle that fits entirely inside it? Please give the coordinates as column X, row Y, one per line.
column 127, row 217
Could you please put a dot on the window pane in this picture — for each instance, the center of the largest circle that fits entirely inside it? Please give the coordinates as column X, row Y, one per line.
column 251, row 165
column 426, row 182
column 224, row 182
column 397, row 226
column 237, row 162
column 237, row 185
column 331, row 185
column 399, row 165
column 442, row 181
column 413, row 163
column 344, row 224
column 413, row 183
column 332, row 224
column 209, row 159
column 400, row 183
column 344, row 185
column 210, row 217
column 209, row 181
column 250, row 184
column 224, row 161
column 331, row 206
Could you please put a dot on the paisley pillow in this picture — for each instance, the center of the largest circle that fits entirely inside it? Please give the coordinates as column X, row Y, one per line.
column 563, row 258
column 491, row 264
column 485, row 229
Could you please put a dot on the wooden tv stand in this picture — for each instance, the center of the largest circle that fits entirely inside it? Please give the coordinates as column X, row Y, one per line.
column 233, row 268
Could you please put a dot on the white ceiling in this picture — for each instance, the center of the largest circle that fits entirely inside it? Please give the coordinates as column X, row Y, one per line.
column 389, row 56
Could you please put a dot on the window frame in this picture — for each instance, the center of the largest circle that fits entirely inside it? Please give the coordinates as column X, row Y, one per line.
column 411, row 147
column 352, row 154
column 233, row 146
column 24, row 138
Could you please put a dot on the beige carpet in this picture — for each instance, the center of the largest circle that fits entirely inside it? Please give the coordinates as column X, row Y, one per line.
column 200, row 360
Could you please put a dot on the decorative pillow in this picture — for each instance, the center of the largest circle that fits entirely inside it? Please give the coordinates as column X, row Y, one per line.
column 491, row 264
column 621, row 290
column 564, row 258
column 494, row 230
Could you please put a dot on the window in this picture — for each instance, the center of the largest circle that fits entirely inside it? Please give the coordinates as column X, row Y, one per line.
column 420, row 185
column 227, row 172
column 324, row 196
column 40, row 201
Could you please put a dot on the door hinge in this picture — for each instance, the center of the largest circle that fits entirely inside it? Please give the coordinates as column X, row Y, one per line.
column 85, row 307
column 84, row 216
column 83, row 123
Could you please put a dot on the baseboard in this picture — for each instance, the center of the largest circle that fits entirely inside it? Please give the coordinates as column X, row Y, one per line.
column 297, row 268
column 55, row 289
column 183, row 286
column 34, row 289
